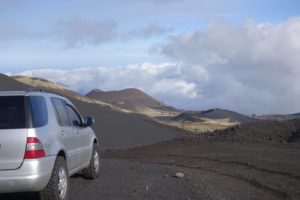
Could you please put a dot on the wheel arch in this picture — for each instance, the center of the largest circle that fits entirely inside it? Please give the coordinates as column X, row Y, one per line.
column 62, row 153
column 95, row 141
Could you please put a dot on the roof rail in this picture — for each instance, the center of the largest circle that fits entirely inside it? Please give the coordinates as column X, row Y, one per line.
column 33, row 89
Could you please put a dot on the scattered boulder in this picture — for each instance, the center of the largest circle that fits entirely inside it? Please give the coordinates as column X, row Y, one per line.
column 179, row 175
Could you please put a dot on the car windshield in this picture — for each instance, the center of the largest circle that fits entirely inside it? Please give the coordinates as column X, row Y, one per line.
column 12, row 112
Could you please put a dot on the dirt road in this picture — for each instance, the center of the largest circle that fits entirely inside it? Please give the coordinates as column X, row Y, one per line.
column 211, row 171
column 226, row 170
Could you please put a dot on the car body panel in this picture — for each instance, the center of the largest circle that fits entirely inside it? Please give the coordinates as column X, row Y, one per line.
column 12, row 146
column 33, row 175
column 25, row 175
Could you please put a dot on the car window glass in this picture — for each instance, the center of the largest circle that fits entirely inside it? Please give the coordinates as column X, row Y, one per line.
column 74, row 116
column 61, row 111
column 12, row 112
column 39, row 111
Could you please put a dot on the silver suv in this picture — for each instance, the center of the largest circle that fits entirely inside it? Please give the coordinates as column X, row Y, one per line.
column 43, row 141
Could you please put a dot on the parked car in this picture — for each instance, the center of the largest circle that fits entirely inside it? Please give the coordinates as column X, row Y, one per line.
column 43, row 141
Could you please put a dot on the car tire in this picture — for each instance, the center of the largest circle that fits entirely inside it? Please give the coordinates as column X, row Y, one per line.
column 58, row 185
column 92, row 171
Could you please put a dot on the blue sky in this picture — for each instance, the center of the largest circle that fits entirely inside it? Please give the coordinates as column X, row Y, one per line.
column 189, row 44
column 34, row 41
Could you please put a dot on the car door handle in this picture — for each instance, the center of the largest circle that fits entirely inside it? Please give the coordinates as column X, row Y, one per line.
column 75, row 130
column 62, row 132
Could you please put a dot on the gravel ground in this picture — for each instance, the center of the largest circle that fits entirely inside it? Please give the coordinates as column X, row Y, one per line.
column 121, row 179
column 227, row 170
column 214, row 171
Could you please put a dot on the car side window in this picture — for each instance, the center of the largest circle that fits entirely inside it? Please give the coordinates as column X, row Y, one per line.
column 74, row 116
column 39, row 111
column 61, row 111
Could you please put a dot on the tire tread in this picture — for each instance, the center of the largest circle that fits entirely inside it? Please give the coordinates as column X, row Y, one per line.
column 89, row 172
column 50, row 192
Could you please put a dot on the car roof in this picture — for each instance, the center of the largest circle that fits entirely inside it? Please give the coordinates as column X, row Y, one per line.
column 12, row 93
column 29, row 92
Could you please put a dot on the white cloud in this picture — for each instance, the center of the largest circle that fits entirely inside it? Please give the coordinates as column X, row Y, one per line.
column 251, row 68
column 148, row 31
column 77, row 31
column 175, row 87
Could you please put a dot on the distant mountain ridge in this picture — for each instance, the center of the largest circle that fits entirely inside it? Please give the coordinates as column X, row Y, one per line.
column 279, row 117
column 127, row 98
column 120, row 103
column 217, row 113
column 54, row 87
column 131, row 99
column 134, row 100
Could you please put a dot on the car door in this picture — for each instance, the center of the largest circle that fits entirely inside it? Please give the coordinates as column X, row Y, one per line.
column 68, row 133
column 83, row 134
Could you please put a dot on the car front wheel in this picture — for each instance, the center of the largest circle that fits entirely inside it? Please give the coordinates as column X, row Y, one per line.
column 92, row 171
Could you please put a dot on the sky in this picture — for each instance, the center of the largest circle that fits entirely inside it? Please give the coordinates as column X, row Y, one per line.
column 191, row 54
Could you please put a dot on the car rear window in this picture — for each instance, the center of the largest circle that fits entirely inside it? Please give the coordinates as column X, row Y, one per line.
column 39, row 111
column 12, row 112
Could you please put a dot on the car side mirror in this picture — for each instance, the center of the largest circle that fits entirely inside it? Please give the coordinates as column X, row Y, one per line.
column 89, row 121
